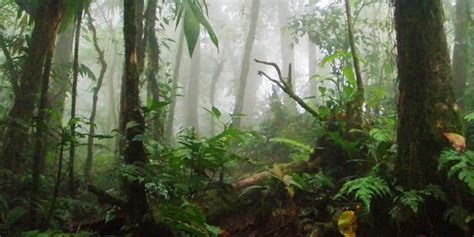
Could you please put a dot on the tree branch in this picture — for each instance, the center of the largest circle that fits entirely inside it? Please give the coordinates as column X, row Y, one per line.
column 286, row 86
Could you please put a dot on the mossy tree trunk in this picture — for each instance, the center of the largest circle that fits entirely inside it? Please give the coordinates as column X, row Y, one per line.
column 47, row 19
column 152, row 68
column 426, row 106
column 132, row 123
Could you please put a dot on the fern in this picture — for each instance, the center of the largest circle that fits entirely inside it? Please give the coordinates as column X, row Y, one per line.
column 408, row 202
column 460, row 164
column 293, row 144
column 458, row 216
column 365, row 189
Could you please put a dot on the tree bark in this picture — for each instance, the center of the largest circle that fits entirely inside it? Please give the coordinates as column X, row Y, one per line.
column 153, row 59
column 75, row 77
column 132, row 123
column 174, row 88
column 461, row 49
column 47, row 19
column 40, row 136
column 426, row 105
column 95, row 99
column 354, row 108
column 242, row 84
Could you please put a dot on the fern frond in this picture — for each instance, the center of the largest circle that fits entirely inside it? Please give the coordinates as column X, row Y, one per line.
column 365, row 189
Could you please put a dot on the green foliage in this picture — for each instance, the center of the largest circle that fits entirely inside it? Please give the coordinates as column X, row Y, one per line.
column 459, row 164
column 459, row 216
column 407, row 203
column 302, row 151
column 193, row 19
column 365, row 189
column 186, row 218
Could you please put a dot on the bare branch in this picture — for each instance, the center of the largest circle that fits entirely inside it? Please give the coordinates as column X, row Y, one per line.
column 286, row 86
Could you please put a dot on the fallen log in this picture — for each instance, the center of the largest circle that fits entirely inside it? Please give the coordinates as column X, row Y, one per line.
column 278, row 170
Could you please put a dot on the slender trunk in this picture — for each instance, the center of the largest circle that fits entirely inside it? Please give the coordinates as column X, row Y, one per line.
column 95, row 98
column 354, row 108
column 239, row 100
column 212, row 93
column 47, row 19
column 192, row 94
column 111, row 93
column 461, row 49
column 426, row 104
column 153, row 58
column 312, row 64
column 286, row 49
column 132, row 123
column 174, row 88
column 75, row 71
column 40, row 136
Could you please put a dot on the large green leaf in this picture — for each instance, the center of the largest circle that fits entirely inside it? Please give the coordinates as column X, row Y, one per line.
column 198, row 13
column 191, row 28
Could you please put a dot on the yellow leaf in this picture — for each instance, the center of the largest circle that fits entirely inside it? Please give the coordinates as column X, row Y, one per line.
column 457, row 141
column 291, row 191
column 347, row 224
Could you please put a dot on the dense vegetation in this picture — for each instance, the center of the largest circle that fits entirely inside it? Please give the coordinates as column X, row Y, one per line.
column 236, row 118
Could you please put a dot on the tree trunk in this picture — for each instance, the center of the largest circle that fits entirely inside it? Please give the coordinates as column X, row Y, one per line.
column 153, row 59
column 75, row 77
column 312, row 65
column 40, row 136
column 286, row 49
column 47, row 19
column 426, row 106
column 95, row 99
column 212, row 92
column 240, row 96
column 60, row 84
column 192, row 94
column 174, row 88
column 354, row 108
column 461, row 49
column 132, row 123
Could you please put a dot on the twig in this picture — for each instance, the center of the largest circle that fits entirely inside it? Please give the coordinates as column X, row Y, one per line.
column 286, row 86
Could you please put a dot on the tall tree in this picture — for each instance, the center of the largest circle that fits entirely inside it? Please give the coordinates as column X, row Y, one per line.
column 286, row 48
column 426, row 105
column 174, row 87
column 192, row 94
column 461, row 49
column 47, row 17
column 242, row 83
column 95, row 98
column 354, row 108
column 40, row 138
column 132, row 123
column 75, row 78
column 152, row 68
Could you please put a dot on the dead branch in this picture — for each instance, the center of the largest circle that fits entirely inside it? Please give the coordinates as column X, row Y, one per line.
column 286, row 86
